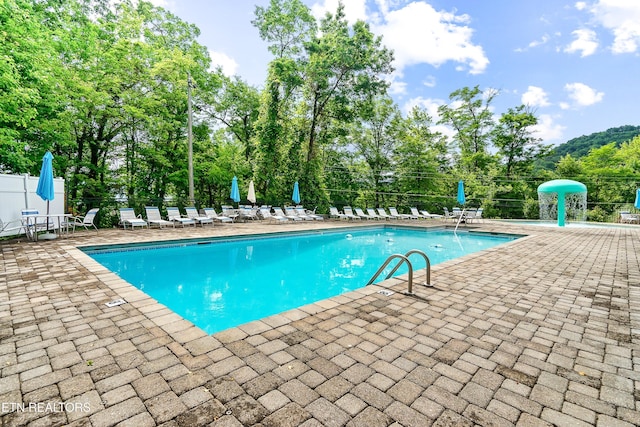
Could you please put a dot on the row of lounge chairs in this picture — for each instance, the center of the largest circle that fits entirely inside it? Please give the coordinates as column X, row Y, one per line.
column 128, row 218
column 288, row 214
column 348, row 213
column 208, row 216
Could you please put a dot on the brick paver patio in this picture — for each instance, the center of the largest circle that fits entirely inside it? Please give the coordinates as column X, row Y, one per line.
column 537, row 332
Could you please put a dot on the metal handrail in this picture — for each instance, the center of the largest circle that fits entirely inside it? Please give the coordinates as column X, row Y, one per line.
column 389, row 259
column 459, row 220
column 426, row 260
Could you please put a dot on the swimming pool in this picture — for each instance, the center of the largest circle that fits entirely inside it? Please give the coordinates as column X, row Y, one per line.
column 220, row 283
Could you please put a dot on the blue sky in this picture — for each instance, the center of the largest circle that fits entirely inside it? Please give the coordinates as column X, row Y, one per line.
column 576, row 63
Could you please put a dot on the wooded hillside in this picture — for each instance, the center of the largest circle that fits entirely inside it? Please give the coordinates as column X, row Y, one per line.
column 580, row 146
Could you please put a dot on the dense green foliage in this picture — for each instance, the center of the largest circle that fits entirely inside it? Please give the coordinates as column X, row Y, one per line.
column 104, row 88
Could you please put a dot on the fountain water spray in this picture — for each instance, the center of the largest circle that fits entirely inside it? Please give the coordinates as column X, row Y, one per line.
column 562, row 199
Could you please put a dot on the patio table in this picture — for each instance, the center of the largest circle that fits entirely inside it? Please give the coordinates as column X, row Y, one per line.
column 32, row 225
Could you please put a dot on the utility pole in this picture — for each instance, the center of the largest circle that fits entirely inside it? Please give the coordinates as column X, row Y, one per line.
column 190, row 137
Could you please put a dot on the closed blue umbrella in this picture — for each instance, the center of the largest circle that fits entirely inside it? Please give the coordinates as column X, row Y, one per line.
column 637, row 203
column 461, row 198
column 296, row 193
column 45, row 183
column 235, row 191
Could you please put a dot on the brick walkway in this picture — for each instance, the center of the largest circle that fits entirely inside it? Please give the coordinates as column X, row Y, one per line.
column 542, row 331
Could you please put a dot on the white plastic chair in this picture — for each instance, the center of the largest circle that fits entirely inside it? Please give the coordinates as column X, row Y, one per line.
column 82, row 221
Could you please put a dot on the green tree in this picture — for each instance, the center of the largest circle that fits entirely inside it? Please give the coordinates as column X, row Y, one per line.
column 420, row 157
column 346, row 66
column 569, row 167
column 287, row 25
column 31, row 99
column 513, row 136
column 374, row 138
column 470, row 116
column 236, row 105
column 315, row 86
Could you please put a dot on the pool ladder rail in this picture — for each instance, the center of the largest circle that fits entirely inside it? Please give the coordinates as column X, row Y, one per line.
column 404, row 259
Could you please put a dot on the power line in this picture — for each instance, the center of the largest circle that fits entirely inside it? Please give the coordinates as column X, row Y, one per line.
column 497, row 178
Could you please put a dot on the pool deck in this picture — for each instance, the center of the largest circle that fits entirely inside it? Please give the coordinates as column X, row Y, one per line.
column 541, row 331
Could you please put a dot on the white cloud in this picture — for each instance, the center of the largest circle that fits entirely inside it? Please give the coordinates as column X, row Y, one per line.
column 586, row 42
column 535, row 97
column 544, row 40
column 354, row 10
column 397, row 87
column 547, row 129
column 429, row 81
column 580, row 5
column 535, row 43
column 430, row 105
column 418, row 34
column 165, row 4
column 229, row 65
column 622, row 17
column 583, row 95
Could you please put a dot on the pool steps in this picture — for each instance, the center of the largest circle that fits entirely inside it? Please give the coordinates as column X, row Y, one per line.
column 404, row 259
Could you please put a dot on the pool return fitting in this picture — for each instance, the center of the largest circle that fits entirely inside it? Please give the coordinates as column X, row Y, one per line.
column 404, row 259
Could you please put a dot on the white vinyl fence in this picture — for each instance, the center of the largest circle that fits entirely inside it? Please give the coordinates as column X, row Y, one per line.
column 18, row 192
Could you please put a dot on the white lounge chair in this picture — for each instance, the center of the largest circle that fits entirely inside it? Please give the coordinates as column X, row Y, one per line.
column 173, row 214
column 385, row 215
column 363, row 215
column 417, row 214
column 279, row 212
column 448, row 215
column 290, row 211
column 154, row 217
column 300, row 210
column 426, row 214
column 349, row 213
column 128, row 218
column 372, row 213
column 333, row 213
column 82, row 221
column 394, row 212
column 248, row 213
column 627, row 217
column 265, row 213
column 211, row 213
column 468, row 215
column 478, row 216
column 230, row 212
column 192, row 213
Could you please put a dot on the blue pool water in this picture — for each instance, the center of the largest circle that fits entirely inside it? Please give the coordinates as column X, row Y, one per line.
column 221, row 283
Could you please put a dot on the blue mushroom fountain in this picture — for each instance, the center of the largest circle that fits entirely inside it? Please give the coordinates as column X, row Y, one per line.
column 557, row 193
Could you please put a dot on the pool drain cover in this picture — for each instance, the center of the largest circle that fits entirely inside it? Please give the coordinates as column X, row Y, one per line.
column 386, row 292
column 115, row 303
